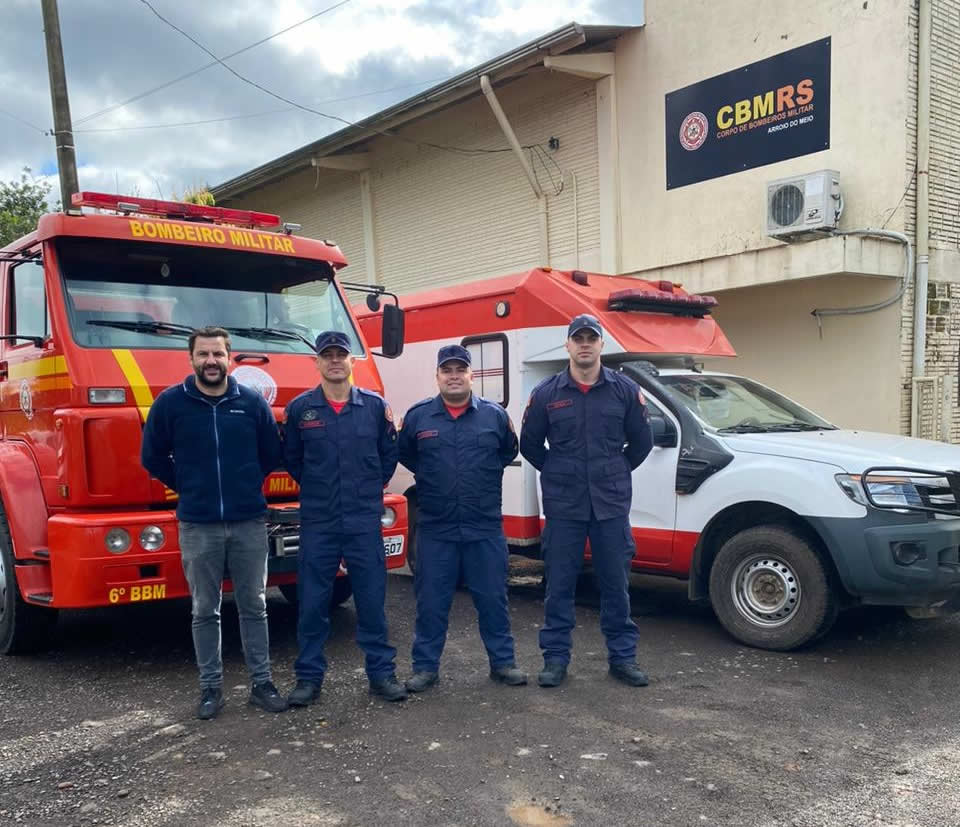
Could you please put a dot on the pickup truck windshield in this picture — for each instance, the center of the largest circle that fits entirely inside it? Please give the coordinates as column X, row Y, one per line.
column 141, row 295
column 732, row 404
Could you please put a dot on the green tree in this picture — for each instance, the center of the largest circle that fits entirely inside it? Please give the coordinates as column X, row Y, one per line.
column 21, row 205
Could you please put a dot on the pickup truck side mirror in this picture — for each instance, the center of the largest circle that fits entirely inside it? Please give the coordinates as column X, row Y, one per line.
column 392, row 332
column 664, row 432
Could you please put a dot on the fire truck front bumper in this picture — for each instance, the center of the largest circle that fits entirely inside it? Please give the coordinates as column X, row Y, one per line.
column 107, row 559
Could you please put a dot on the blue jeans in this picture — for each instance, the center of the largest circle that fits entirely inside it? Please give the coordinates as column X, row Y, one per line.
column 484, row 566
column 611, row 549
column 317, row 566
column 240, row 547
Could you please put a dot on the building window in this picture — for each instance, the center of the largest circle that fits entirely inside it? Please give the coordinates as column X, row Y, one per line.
column 488, row 355
column 28, row 308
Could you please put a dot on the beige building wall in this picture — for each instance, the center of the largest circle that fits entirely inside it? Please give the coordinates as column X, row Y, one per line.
column 845, row 373
column 326, row 205
column 725, row 216
column 443, row 217
column 446, row 216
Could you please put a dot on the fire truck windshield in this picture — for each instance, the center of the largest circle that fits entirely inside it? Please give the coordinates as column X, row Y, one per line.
column 140, row 295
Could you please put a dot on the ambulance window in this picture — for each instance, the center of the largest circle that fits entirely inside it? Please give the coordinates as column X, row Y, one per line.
column 28, row 308
column 488, row 355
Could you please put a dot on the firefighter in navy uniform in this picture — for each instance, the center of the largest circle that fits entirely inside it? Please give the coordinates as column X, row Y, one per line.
column 340, row 445
column 595, row 421
column 458, row 445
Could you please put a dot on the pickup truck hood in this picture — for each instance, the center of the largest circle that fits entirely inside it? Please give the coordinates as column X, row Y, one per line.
column 852, row 451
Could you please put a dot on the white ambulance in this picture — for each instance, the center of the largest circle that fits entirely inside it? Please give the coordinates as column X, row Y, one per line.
column 776, row 516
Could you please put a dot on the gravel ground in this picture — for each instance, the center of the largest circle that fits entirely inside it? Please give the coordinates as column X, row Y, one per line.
column 859, row 730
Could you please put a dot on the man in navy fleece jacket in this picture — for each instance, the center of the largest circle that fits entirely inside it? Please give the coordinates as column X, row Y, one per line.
column 214, row 441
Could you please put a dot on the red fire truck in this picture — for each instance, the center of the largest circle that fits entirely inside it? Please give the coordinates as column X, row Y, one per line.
column 95, row 312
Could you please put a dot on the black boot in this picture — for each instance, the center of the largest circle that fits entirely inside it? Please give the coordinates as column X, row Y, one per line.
column 508, row 674
column 304, row 693
column 629, row 673
column 389, row 688
column 554, row 673
column 421, row 681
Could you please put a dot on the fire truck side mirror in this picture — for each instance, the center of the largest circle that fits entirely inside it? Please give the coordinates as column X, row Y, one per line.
column 392, row 331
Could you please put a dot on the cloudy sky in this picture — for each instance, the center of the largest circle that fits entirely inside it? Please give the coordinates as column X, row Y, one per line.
column 354, row 59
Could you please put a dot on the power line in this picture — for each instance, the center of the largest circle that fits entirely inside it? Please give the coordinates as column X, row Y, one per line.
column 21, row 120
column 251, row 114
column 197, row 71
column 198, row 44
column 184, row 123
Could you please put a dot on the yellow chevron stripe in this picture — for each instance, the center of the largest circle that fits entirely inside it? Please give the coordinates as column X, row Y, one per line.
column 142, row 394
column 48, row 366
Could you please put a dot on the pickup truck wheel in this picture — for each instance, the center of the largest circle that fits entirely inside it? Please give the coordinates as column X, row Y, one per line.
column 770, row 589
column 342, row 589
column 24, row 627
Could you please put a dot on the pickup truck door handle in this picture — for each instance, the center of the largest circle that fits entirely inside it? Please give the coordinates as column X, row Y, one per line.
column 4, row 372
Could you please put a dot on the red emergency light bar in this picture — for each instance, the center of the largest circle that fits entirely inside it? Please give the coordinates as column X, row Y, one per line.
column 174, row 209
column 660, row 301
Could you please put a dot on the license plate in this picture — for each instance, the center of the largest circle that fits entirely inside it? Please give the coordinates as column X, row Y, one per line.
column 393, row 546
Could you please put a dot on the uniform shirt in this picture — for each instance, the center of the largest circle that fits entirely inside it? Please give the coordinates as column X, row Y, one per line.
column 214, row 451
column 342, row 461
column 596, row 439
column 458, row 464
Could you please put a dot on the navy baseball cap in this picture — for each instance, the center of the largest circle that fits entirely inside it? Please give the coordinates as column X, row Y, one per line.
column 450, row 353
column 585, row 322
column 333, row 338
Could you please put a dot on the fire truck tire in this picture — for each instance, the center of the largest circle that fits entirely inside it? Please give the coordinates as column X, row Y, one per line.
column 24, row 628
column 770, row 589
column 342, row 589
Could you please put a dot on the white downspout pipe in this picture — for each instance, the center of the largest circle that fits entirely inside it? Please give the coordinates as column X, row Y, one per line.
column 923, row 192
column 487, row 88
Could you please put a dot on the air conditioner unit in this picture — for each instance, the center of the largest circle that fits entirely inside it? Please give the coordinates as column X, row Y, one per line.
column 804, row 207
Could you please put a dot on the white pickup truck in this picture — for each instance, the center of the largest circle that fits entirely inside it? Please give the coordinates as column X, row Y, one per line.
column 775, row 515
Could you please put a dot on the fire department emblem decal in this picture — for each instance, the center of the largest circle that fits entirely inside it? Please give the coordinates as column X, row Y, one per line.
column 26, row 399
column 693, row 131
column 258, row 380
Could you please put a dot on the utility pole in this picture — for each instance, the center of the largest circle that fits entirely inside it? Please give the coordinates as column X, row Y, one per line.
column 62, row 125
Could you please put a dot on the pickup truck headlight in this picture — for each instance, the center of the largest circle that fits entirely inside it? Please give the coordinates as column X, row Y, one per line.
column 894, row 491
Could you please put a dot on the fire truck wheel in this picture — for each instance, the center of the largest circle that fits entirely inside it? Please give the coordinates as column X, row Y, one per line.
column 23, row 627
column 770, row 589
column 342, row 589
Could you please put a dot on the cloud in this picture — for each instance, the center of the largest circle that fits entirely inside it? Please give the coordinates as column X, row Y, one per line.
column 350, row 62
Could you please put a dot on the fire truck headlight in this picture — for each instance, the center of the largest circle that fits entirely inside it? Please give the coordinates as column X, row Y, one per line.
column 388, row 518
column 117, row 540
column 151, row 538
